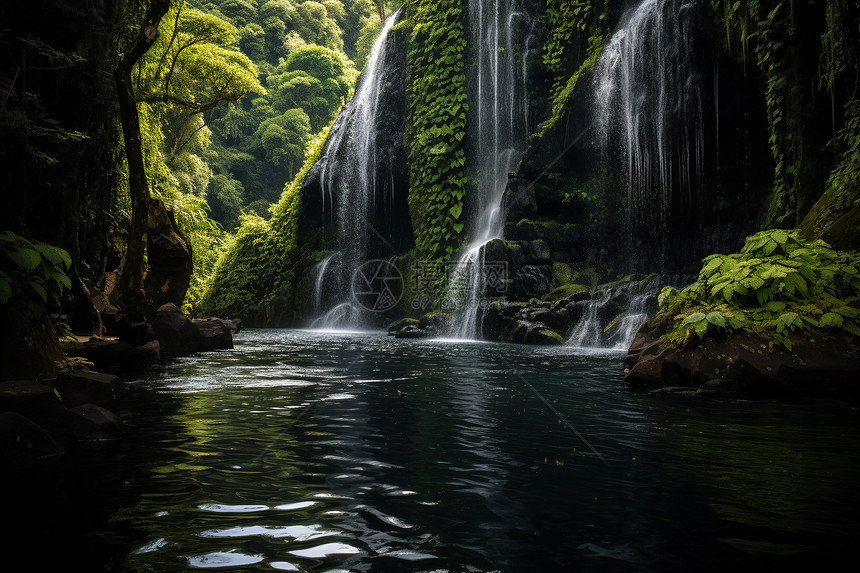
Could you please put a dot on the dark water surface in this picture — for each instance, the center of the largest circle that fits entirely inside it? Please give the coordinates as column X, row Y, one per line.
column 305, row 451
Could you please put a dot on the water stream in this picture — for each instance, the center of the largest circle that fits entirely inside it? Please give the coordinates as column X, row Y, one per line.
column 499, row 38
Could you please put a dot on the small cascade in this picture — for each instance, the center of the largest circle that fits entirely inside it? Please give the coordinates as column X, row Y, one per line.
column 611, row 318
column 588, row 332
column 351, row 191
column 465, row 290
column 651, row 97
column 636, row 315
column 499, row 37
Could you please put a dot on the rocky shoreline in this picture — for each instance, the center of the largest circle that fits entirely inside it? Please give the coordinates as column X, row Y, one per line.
column 742, row 364
column 43, row 413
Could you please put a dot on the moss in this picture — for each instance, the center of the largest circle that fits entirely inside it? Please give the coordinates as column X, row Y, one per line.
column 835, row 218
column 587, row 276
column 564, row 291
column 552, row 334
column 562, row 273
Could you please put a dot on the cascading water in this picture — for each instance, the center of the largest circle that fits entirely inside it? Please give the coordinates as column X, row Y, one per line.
column 651, row 97
column 499, row 37
column 652, row 134
column 350, row 188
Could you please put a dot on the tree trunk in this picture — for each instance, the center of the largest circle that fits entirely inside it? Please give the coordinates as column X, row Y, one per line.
column 131, row 322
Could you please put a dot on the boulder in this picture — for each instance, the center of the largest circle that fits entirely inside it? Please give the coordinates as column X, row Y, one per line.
column 92, row 422
column 76, row 388
column 744, row 363
column 215, row 334
column 21, row 439
column 414, row 332
column 176, row 333
column 38, row 402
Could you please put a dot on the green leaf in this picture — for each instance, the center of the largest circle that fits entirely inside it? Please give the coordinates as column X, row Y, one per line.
column 717, row 319
column 5, row 291
column 40, row 290
column 26, row 259
column 456, row 210
column 702, row 328
column 695, row 317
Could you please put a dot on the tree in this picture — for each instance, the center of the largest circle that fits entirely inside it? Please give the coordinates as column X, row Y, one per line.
column 312, row 78
column 131, row 322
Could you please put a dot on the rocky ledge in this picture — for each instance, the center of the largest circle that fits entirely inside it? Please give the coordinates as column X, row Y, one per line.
column 743, row 364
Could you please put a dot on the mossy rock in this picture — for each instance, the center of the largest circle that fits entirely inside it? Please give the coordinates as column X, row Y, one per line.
column 562, row 272
column 588, row 277
column 559, row 236
column 564, row 291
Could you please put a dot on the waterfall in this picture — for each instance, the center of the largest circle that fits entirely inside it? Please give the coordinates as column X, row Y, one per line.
column 350, row 188
column 651, row 97
column 591, row 331
column 499, row 37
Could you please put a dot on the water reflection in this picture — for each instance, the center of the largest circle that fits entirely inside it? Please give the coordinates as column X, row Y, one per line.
column 299, row 451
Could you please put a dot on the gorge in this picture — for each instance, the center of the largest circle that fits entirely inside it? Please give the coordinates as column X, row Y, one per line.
column 433, row 285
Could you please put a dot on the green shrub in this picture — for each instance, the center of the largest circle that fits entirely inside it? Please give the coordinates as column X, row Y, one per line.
column 779, row 283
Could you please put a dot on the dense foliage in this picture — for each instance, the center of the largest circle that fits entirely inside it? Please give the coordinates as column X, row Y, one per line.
column 779, row 283
column 436, row 88
column 807, row 53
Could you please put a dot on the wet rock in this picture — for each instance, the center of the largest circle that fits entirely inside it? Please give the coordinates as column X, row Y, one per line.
column 92, row 422
column 543, row 335
column 179, row 335
column 817, row 365
column 399, row 325
column 114, row 354
column 76, row 388
column 38, row 402
column 414, row 332
column 538, row 252
column 21, row 439
column 215, row 334
column 176, row 333
column 532, row 281
column 437, row 321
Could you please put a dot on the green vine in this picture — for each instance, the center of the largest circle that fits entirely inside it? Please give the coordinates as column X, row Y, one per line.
column 436, row 126
column 566, row 18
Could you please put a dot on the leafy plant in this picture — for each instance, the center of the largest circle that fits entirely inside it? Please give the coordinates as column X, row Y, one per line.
column 32, row 274
column 779, row 283
column 436, row 88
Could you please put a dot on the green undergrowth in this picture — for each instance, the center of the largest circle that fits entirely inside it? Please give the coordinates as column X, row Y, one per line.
column 256, row 277
column 778, row 284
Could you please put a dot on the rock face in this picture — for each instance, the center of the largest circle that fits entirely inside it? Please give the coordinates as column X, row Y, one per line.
column 179, row 335
column 169, row 256
column 742, row 363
